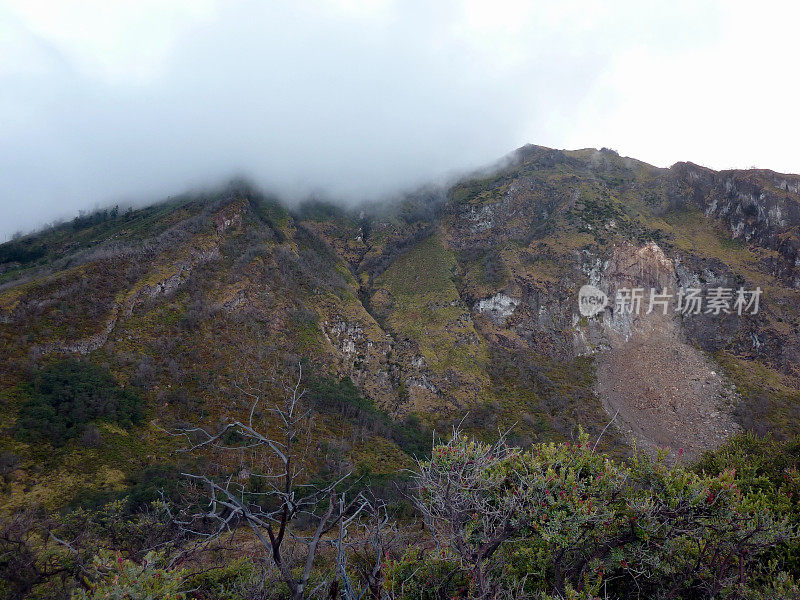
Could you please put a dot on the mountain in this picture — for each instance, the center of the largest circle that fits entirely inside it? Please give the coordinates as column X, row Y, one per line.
column 452, row 304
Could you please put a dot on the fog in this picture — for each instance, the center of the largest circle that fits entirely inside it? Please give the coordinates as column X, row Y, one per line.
column 131, row 102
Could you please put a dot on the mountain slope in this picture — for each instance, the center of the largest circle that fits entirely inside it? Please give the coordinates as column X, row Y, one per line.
column 447, row 304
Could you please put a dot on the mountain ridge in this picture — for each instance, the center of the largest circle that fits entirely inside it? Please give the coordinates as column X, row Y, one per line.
column 452, row 301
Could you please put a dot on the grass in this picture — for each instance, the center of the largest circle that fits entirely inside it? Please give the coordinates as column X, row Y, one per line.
column 766, row 394
column 379, row 456
column 425, row 307
column 691, row 231
column 425, row 269
column 52, row 477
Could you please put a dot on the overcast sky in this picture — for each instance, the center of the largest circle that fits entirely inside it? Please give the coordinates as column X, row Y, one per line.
column 106, row 101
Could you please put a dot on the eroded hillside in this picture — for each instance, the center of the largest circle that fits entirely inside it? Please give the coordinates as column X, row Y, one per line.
column 448, row 304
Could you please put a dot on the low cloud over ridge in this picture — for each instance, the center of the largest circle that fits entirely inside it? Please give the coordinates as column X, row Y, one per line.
column 357, row 99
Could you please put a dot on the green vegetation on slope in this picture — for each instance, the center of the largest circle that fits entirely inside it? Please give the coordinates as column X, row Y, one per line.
column 67, row 395
column 424, row 305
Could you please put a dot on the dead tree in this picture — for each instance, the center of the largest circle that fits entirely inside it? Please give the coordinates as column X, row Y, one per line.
column 375, row 537
column 290, row 517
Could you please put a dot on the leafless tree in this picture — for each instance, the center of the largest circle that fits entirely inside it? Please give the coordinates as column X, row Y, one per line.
column 289, row 516
column 375, row 537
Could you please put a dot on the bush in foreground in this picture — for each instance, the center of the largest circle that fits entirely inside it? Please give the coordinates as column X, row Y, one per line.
column 563, row 521
column 556, row 521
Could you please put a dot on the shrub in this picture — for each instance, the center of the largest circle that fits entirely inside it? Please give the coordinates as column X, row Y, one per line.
column 116, row 578
column 152, row 484
column 564, row 520
column 66, row 395
column 112, row 525
column 421, row 576
column 768, row 469
column 8, row 463
column 229, row 582
column 24, row 251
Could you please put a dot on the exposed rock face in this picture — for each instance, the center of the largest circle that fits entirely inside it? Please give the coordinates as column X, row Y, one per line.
column 346, row 338
column 646, row 268
column 761, row 207
column 81, row 346
column 661, row 389
column 482, row 219
column 182, row 268
column 361, row 351
column 498, row 308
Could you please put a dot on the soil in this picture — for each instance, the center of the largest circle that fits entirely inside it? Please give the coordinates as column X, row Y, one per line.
column 667, row 393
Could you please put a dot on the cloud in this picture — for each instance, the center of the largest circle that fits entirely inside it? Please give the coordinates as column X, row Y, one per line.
column 103, row 102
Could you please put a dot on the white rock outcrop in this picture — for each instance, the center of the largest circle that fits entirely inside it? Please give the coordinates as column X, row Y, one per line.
column 498, row 307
